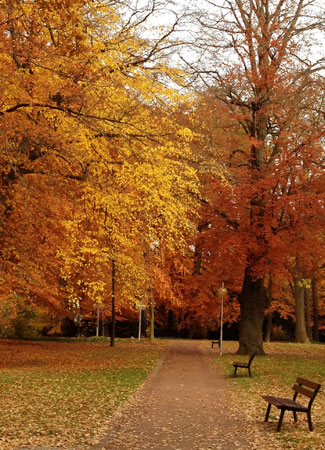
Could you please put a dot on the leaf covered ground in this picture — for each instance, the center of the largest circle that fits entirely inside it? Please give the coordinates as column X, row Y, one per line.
column 275, row 374
column 62, row 394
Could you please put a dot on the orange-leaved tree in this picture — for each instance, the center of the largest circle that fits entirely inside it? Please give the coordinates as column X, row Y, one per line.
column 259, row 63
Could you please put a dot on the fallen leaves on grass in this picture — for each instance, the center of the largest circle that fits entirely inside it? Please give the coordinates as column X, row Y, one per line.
column 62, row 394
column 275, row 374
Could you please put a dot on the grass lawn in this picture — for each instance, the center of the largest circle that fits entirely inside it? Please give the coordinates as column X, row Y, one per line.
column 275, row 374
column 62, row 394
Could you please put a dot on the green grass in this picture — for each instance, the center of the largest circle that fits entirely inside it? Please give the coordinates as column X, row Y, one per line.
column 275, row 374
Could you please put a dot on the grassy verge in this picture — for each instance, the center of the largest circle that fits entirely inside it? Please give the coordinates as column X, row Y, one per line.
column 62, row 394
column 275, row 374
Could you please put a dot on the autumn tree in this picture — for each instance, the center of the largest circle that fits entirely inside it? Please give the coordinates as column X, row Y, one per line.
column 197, row 275
column 256, row 57
column 91, row 142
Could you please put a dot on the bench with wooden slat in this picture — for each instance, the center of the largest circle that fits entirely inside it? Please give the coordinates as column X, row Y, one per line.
column 215, row 342
column 303, row 387
column 244, row 365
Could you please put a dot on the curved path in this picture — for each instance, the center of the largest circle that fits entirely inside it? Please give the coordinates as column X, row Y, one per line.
column 183, row 405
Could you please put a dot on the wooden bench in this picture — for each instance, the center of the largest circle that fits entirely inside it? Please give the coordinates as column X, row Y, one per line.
column 215, row 342
column 244, row 365
column 304, row 387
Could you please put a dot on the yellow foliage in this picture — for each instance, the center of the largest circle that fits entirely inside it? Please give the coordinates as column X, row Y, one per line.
column 92, row 142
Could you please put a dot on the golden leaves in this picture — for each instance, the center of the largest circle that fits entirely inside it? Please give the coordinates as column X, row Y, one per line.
column 93, row 147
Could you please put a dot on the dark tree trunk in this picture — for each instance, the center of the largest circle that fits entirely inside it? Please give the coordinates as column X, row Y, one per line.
column 191, row 331
column 113, row 305
column 307, row 313
column 152, row 316
column 144, row 322
column 268, row 330
column 253, row 302
column 301, row 333
column 315, row 310
column 171, row 326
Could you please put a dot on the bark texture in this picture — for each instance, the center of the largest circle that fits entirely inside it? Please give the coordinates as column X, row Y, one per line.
column 253, row 301
column 301, row 334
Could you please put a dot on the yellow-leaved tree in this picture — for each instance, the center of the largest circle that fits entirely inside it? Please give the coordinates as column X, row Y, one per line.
column 94, row 163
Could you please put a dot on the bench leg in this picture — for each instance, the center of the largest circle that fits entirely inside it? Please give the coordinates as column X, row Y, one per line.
column 295, row 418
column 235, row 371
column 280, row 420
column 267, row 412
column 249, row 371
column 309, row 421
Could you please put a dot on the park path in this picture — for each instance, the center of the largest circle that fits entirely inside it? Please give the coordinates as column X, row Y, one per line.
column 183, row 405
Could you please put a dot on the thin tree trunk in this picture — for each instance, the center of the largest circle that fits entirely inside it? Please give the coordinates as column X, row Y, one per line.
column 301, row 334
column 315, row 310
column 103, row 323
column 144, row 322
column 253, row 302
column 191, row 331
column 268, row 330
column 152, row 317
column 307, row 313
column 113, row 305
column 97, row 322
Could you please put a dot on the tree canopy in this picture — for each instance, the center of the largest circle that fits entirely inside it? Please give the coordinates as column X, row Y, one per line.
column 116, row 158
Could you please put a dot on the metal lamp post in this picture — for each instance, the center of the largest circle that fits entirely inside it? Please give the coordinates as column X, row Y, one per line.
column 221, row 292
column 140, row 307
column 98, row 307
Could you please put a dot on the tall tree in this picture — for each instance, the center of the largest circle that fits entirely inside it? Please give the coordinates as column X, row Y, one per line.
column 256, row 56
column 86, row 117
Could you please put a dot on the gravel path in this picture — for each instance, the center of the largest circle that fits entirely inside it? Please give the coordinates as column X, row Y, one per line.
column 184, row 405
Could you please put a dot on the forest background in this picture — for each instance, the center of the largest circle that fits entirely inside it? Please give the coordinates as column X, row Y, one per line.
column 137, row 174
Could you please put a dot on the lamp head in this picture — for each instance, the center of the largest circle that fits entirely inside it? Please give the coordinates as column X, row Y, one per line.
column 222, row 291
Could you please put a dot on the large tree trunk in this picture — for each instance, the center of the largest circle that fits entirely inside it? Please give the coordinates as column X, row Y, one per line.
column 315, row 310
column 253, row 302
column 301, row 334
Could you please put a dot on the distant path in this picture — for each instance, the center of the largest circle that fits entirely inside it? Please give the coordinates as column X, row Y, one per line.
column 184, row 405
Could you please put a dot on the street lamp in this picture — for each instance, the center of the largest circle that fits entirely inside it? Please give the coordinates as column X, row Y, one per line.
column 98, row 306
column 140, row 306
column 221, row 292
